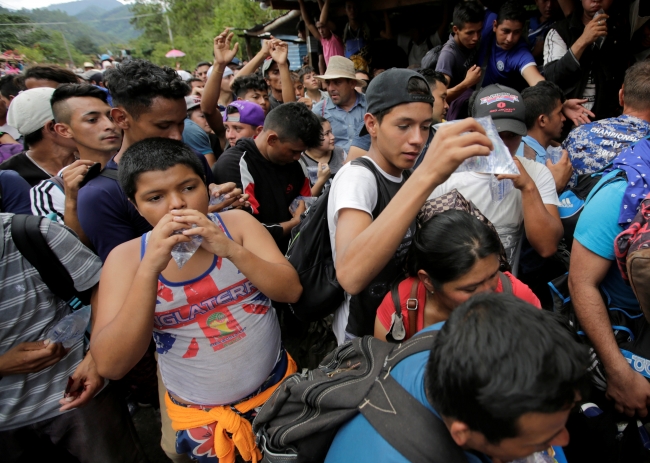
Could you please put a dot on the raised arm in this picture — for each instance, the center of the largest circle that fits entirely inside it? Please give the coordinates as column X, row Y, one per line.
column 387, row 33
column 257, row 60
column 364, row 246
column 251, row 249
column 209, row 103
column 279, row 53
column 308, row 22
column 126, row 305
column 324, row 11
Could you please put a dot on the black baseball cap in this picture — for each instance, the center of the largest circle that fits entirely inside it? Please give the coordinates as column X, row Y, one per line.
column 506, row 107
column 390, row 89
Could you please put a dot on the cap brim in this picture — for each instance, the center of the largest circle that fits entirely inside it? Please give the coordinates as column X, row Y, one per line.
column 360, row 83
column 511, row 125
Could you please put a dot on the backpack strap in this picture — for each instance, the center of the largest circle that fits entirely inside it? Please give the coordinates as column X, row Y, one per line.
column 402, row 420
column 506, row 284
column 27, row 236
column 412, row 307
column 383, row 197
column 109, row 173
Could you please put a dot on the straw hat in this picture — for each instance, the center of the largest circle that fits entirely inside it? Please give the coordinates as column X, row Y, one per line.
column 340, row 67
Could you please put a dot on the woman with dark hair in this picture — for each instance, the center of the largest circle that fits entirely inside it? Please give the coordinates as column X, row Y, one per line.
column 453, row 256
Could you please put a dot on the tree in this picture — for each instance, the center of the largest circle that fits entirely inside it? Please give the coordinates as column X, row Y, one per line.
column 85, row 45
column 194, row 24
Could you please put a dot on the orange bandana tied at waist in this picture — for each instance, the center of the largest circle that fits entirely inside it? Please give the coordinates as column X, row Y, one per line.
column 228, row 421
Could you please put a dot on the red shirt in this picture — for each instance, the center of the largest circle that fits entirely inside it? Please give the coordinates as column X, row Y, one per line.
column 387, row 307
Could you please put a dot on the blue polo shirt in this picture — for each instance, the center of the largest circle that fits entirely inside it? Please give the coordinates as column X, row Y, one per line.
column 345, row 124
column 504, row 66
column 534, row 144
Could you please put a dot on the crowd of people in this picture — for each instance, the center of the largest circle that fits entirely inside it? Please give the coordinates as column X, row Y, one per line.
column 173, row 203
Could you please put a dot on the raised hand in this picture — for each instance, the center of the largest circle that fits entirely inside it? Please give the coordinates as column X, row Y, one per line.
column 223, row 53
column 453, row 144
column 279, row 51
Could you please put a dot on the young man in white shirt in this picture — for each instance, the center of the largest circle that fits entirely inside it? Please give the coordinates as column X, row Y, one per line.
column 533, row 203
column 363, row 247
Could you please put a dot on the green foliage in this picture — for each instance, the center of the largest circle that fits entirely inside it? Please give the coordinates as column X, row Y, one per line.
column 85, row 45
column 194, row 24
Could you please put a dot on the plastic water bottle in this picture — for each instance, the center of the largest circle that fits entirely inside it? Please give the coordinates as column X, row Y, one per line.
column 554, row 153
column 600, row 40
column 70, row 328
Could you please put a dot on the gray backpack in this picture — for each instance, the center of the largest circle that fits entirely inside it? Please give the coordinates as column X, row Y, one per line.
column 299, row 421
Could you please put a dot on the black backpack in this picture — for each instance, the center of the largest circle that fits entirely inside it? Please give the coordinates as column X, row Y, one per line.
column 27, row 236
column 430, row 60
column 310, row 253
column 299, row 421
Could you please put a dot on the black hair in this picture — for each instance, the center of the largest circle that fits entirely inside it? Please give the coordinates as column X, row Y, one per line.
column 294, row 121
column 303, row 71
column 497, row 358
column 540, row 99
column 193, row 79
column 468, row 12
column 66, row 91
column 636, row 90
column 51, row 72
column 32, row 139
column 300, row 26
column 154, row 154
column 432, row 76
column 415, row 86
column 137, row 82
column 449, row 244
column 512, row 11
column 241, row 85
column 202, row 63
column 321, row 119
column 9, row 86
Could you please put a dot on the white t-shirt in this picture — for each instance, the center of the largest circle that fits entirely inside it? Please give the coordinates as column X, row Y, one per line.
column 507, row 216
column 354, row 187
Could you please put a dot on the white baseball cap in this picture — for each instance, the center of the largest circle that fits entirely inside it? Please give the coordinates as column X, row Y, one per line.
column 31, row 110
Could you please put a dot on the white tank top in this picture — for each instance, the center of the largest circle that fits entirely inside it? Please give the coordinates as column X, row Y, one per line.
column 217, row 336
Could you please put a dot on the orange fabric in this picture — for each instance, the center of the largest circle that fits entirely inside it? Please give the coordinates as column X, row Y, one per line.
column 227, row 422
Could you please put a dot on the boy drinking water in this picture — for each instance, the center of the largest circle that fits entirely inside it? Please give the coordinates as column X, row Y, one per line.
column 217, row 335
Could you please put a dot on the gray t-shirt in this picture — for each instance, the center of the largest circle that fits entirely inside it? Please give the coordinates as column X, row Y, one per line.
column 27, row 310
column 455, row 60
column 336, row 162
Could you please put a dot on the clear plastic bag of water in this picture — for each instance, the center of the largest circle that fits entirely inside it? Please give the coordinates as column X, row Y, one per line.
column 309, row 200
column 182, row 252
column 312, row 172
column 499, row 161
column 499, row 189
column 70, row 328
column 554, row 153
column 214, row 200
column 539, row 457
